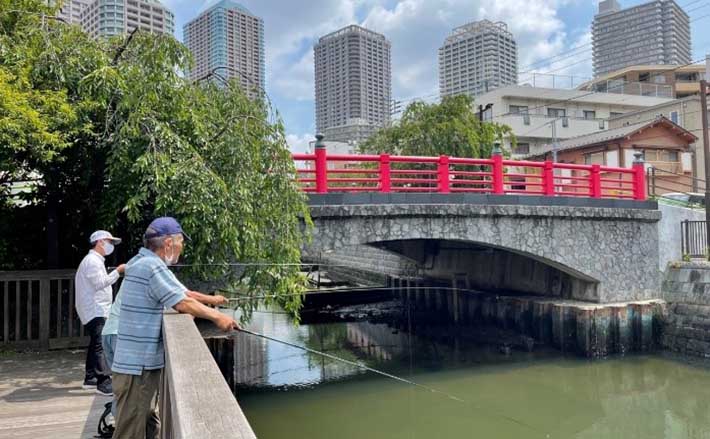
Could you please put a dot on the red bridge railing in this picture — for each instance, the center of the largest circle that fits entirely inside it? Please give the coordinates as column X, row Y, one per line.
column 323, row 173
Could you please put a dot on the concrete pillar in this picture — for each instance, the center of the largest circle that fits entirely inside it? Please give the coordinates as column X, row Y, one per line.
column 564, row 327
column 502, row 306
column 621, row 329
column 585, row 343
column 522, row 315
column 542, row 321
column 455, row 313
column 602, row 327
column 642, row 323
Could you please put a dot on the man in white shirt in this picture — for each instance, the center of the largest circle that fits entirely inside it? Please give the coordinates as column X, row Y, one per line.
column 93, row 301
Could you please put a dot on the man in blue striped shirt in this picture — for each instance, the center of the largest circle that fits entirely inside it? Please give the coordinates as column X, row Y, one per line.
column 148, row 287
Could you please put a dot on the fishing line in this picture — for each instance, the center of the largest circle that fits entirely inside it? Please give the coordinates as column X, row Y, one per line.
column 353, row 363
column 387, row 375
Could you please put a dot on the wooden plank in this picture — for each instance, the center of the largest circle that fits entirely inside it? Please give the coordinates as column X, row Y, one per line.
column 18, row 309
column 44, row 305
column 201, row 405
column 59, row 308
column 68, row 342
column 29, row 309
column 37, row 274
column 70, row 312
column 42, row 397
column 6, row 314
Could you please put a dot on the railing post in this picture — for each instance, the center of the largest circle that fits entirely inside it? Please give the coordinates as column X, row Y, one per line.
column 639, row 177
column 44, row 309
column 497, row 156
column 385, row 179
column 321, row 165
column 548, row 179
column 595, row 182
column 443, row 174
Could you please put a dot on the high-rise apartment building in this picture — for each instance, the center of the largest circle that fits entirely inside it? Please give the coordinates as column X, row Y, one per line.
column 353, row 81
column 477, row 58
column 70, row 10
column 654, row 33
column 228, row 37
column 106, row 18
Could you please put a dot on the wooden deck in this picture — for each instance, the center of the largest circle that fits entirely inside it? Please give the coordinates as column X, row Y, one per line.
column 41, row 396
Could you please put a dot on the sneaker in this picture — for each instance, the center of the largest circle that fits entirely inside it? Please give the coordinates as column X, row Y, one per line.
column 89, row 384
column 105, row 388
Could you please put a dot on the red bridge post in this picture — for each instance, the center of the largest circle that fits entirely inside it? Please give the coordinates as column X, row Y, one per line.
column 443, row 174
column 595, row 182
column 498, row 180
column 548, row 179
column 385, row 178
column 639, row 177
column 321, row 165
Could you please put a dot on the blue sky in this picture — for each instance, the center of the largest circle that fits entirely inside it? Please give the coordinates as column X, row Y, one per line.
column 416, row 28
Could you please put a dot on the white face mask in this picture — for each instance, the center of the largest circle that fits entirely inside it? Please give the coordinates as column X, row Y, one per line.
column 108, row 248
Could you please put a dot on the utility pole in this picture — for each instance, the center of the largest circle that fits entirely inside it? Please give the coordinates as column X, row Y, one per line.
column 706, row 149
column 554, row 141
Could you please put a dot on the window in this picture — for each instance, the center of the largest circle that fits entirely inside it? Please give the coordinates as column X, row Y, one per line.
column 674, row 117
column 590, row 114
column 556, row 112
column 660, row 155
column 522, row 148
column 518, row 109
column 596, row 158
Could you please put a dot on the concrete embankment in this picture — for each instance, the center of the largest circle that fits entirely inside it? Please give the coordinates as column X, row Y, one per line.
column 587, row 329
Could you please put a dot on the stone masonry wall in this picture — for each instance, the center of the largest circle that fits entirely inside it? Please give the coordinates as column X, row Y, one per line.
column 363, row 265
column 686, row 289
column 616, row 247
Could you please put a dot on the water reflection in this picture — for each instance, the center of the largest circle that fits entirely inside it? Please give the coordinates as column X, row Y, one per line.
column 507, row 395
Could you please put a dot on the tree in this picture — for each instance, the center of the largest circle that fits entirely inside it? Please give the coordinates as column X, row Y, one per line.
column 447, row 128
column 135, row 139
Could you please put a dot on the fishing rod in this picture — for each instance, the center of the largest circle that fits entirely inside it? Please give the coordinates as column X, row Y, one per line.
column 244, row 296
column 352, row 363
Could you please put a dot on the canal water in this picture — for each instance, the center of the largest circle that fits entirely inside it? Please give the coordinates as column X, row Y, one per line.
column 484, row 389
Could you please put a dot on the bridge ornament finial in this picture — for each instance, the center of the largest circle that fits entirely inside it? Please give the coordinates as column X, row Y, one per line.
column 496, row 149
column 638, row 157
column 319, row 141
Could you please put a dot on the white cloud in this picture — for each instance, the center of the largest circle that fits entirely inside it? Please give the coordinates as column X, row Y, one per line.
column 416, row 29
column 299, row 143
column 295, row 81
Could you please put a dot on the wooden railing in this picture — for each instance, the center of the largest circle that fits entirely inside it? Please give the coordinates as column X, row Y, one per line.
column 37, row 310
column 323, row 173
column 195, row 400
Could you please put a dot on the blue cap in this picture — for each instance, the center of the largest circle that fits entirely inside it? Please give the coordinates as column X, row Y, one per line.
column 164, row 226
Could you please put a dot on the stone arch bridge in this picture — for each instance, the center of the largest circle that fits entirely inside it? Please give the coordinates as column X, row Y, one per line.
column 595, row 250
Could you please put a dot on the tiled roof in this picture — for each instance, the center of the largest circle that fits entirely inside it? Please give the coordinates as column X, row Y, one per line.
column 613, row 134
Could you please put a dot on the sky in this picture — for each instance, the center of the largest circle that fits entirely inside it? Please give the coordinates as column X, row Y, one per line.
column 547, row 33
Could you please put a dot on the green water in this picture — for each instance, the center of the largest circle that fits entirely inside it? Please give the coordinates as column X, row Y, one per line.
column 286, row 393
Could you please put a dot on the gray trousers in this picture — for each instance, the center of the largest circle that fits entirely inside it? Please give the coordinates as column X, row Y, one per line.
column 136, row 398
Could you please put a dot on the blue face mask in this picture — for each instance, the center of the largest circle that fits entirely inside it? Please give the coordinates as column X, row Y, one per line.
column 108, row 248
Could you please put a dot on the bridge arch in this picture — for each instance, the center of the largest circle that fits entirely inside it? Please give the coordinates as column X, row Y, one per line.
column 609, row 254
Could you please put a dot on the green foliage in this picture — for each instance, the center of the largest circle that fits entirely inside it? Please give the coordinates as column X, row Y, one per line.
column 449, row 128
column 118, row 136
